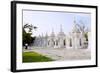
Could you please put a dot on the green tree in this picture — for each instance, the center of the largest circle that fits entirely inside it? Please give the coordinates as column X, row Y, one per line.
column 27, row 35
column 26, row 38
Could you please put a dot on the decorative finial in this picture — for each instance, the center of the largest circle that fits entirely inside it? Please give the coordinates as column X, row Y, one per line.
column 74, row 20
column 52, row 34
column 52, row 30
column 42, row 35
column 61, row 28
column 46, row 35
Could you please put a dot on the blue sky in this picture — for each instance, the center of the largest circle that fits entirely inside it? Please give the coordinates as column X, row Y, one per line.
column 46, row 21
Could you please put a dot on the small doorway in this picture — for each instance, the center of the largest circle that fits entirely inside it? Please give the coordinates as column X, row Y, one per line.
column 56, row 42
column 64, row 42
column 70, row 42
column 80, row 42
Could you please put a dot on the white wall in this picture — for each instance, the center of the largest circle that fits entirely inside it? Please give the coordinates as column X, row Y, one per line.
column 5, row 37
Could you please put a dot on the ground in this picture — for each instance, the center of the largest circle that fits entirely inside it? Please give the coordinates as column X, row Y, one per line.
column 62, row 53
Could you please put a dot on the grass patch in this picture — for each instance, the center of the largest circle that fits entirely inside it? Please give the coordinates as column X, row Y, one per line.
column 34, row 57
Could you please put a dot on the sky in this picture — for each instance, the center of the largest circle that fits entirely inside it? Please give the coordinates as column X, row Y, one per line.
column 48, row 21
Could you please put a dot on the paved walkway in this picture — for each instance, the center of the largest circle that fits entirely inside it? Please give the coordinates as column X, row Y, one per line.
column 63, row 54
